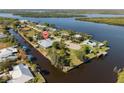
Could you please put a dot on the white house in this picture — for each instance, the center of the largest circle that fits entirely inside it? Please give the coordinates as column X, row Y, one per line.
column 20, row 74
column 2, row 35
column 51, row 29
column 8, row 54
column 90, row 43
column 100, row 44
column 45, row 43
column 77, row 36
column 41, row 26
column 22, row 21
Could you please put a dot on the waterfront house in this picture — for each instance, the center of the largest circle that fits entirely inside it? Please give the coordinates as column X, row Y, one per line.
column 2, row 35
column 51, row 29
column 41, row 26
column 90, row 43
column 45, row 43
column 8, row 54
column 20, row 74
column 77, row 36
column 64, row 34
column 23, row 21
column 100, row 44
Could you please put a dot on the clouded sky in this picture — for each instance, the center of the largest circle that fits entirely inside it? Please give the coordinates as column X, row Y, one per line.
column 62, row 4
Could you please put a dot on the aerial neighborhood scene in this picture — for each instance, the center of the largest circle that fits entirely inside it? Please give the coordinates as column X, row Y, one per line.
column 61, row 46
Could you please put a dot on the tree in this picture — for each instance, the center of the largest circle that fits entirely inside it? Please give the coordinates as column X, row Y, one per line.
column 56, row 33
column 12, row 39
column 16, row 23
column 6, row 65
column 46, row 24
column 60, row 55
column 34, row 67
column 86, row 49
column 53, row 55
column 56, row 45
column 4, row 79
column 71, row 33
column 81, row 55
column 30, row 38
column 6, row 28
column 49, row 25
column 106, row 43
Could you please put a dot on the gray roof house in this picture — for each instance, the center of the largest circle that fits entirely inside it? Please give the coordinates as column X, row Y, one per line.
column 2, row 35
column 91, row 43
column 20, row 74
column 45, row 43
column 8, row 54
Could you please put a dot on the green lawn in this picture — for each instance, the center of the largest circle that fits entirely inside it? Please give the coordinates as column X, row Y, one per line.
column 120, row 77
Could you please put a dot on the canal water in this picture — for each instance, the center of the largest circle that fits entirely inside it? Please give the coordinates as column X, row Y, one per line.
column 96, row 71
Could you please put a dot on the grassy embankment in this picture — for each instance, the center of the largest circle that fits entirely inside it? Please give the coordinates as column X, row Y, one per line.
column 120, row 78
column 112, row 21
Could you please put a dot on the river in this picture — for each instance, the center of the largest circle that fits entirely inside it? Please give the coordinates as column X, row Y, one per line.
column 96, row 71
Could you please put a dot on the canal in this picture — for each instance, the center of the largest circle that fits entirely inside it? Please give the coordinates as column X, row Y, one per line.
column 96, row 71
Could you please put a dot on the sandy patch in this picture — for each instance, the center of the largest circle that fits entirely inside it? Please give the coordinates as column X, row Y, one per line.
column 73, row 45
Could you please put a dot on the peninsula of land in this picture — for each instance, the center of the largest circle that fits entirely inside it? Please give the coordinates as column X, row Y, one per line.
column 112, row 20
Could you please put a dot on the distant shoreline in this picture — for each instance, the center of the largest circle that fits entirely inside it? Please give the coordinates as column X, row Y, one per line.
column 119, row 21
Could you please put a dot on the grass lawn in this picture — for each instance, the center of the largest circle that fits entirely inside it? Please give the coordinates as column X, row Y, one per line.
column 74, row 59
column 31, row 33
column 120, row 77
column 91, row 55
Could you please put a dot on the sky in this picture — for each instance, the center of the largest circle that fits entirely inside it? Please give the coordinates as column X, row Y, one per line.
column 61, row 4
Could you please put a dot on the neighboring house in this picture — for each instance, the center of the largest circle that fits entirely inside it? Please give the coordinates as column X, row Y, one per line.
column 45, row 43
column 77, row 36
column 41, row 26
column 100, row 44
column 20, row 74
column 64, row 35
column 90, row 43
column 2, row 35
column 8, row 54
column 51, row 29
column 23, row 21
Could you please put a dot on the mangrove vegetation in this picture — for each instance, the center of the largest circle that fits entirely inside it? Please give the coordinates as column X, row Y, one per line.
column 112, row 21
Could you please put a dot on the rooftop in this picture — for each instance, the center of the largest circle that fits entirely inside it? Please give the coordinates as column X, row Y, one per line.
column 45, row 43
column 20, row 74
column 77, row 36
column 2, row 35
column 7, row 52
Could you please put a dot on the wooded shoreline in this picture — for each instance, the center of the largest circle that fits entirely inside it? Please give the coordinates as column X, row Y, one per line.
column 111, row 21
